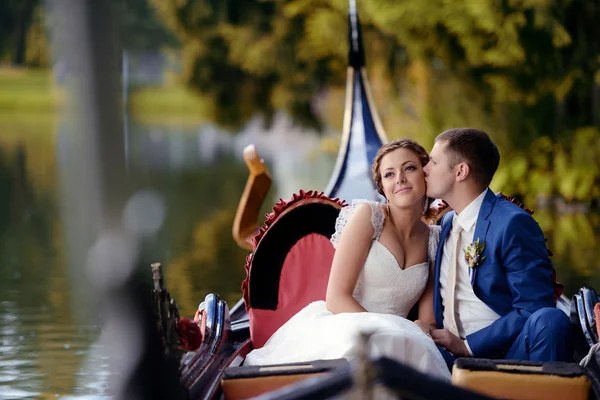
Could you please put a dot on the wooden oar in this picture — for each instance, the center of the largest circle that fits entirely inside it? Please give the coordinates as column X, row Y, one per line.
column 258, row 184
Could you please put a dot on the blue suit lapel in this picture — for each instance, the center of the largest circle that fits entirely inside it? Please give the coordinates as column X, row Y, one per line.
column 482, row 225
column 437, row 297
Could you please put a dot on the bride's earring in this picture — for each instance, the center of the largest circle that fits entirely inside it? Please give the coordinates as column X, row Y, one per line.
column 425, row 206
column 388, row 208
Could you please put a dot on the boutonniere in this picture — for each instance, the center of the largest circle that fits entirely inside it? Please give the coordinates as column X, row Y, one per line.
column 473, row 253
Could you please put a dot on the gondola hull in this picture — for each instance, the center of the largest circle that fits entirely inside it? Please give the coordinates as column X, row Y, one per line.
column 215, row 370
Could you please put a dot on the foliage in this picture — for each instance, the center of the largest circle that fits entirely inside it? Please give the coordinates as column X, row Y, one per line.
column 569, row 169
column 140, row 29
column 258, row 55
column 522, row 70
column 273, row 53
column 16, row 16
column 24, row 36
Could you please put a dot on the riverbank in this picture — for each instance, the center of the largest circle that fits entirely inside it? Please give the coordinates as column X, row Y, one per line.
column 170, row 105
column 28, row 96
column 28, row 91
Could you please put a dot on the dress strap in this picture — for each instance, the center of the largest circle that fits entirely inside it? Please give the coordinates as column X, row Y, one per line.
column 377, row 218
column 434, row 242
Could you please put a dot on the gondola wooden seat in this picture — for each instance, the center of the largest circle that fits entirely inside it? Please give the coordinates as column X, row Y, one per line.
column 522, row 380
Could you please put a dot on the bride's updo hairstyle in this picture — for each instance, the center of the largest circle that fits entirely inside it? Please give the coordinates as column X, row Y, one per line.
column 392, row 146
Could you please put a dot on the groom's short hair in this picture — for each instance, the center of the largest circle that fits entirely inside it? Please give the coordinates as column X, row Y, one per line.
column 474, row 147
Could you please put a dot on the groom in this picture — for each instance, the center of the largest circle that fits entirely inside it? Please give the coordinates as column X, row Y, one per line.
column 493, row 279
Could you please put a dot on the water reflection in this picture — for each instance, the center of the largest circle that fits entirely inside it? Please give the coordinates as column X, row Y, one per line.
column 48, row 347
column 573, row 238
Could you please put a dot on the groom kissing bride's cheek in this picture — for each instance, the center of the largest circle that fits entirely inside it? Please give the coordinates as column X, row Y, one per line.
column 482, row 283
column 493, row 293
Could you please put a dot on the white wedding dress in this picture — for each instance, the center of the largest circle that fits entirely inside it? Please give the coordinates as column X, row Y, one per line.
column 386, row 291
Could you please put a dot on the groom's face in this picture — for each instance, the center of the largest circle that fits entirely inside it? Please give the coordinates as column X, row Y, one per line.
column 438, row 174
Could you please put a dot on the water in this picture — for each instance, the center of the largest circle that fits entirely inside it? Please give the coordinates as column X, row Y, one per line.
column 49, row 328
column 49, row 336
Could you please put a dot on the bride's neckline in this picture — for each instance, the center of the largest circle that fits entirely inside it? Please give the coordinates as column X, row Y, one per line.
column 385, row 211
column 396, row 260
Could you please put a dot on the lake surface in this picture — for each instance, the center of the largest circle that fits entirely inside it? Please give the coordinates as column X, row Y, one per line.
column 49, row 341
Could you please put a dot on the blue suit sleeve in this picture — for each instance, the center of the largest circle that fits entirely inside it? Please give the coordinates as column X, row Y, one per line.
column 529, row 277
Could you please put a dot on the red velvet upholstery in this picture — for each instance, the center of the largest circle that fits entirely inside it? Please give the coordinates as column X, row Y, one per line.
column 289, row 267
column 303, row 280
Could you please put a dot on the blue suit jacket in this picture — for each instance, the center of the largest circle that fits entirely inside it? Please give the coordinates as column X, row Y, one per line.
column 514, row 280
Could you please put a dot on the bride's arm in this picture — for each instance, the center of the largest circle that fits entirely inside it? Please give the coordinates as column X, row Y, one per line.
column 426, row 314
column 350, row 255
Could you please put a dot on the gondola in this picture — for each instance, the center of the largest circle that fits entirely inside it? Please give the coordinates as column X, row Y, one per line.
column 288, row 268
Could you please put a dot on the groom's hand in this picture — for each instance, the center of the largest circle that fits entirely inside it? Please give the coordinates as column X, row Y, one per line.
column 450, row 342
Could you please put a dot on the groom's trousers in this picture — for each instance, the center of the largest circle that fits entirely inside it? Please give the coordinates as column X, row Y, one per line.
column 546, row 336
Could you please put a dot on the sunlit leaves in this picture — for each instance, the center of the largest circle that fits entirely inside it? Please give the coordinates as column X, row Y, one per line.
column 519, row 69
column 512, row 48
column 325, row 36
column 254, row 53
column 569, row 170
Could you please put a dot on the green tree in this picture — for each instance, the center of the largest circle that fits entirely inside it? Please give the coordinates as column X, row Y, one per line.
column 520, row 69
column 140, row 28
column 534, row 58
column 16, row 17
column 23, row 33
column 251, row 55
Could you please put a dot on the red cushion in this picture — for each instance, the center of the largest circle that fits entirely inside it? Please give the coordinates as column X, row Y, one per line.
column 303, row 279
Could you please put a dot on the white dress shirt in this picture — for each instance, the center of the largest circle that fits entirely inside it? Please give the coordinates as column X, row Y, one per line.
column 471, row 314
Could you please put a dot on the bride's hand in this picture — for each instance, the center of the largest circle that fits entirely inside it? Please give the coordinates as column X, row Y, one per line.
column 425, row 327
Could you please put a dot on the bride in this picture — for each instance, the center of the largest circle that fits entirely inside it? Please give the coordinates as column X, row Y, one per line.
column 381, row 268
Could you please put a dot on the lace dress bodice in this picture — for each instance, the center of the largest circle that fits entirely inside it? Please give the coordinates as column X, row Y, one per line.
column 382, row 286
